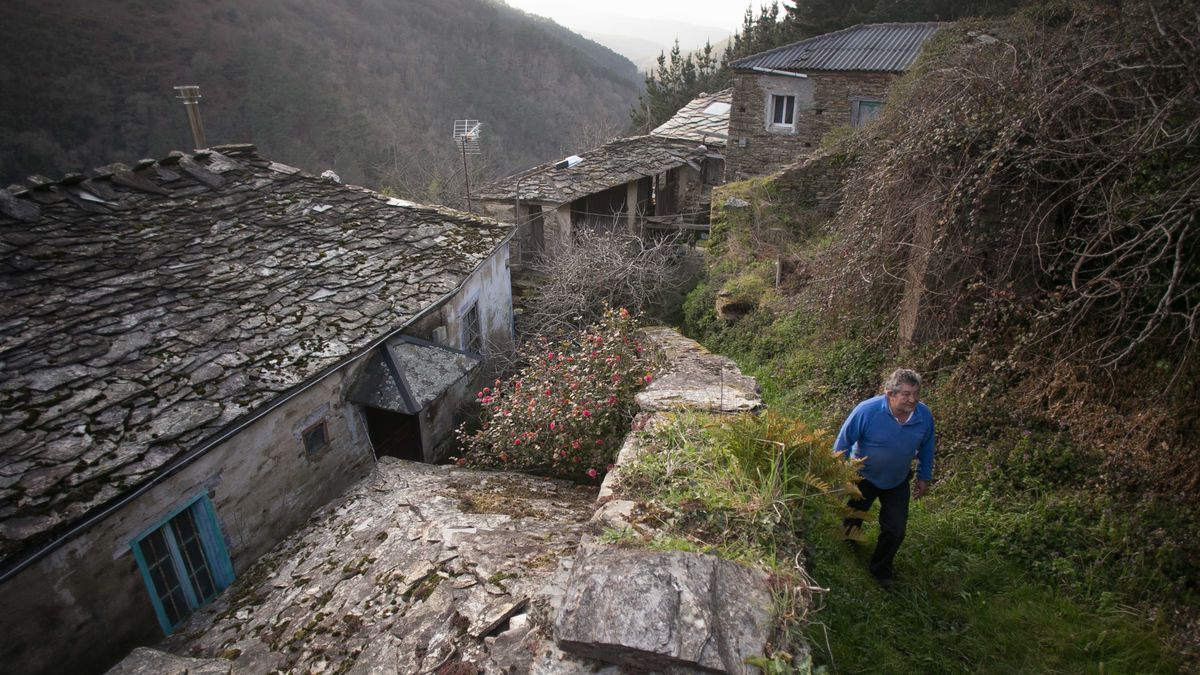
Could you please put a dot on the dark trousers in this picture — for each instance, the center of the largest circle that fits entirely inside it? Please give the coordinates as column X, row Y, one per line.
column 893, row 518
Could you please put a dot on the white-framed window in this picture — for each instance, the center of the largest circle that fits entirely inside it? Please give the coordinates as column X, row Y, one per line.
column 783, row 110
column 863, row 110
column 472, row 332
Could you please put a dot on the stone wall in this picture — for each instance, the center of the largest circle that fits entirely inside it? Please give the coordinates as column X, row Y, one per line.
column 823, row 102
column 814, row 184
column 86, row 605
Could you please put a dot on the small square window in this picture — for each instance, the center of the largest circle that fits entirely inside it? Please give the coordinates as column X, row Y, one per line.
column 783, row 109
column 316, row 438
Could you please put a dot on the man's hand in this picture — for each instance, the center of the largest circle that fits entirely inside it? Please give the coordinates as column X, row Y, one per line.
column 920, row 487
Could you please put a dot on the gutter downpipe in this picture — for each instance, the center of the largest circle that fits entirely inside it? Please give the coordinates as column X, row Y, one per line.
column 772, row 71
column 225, row 435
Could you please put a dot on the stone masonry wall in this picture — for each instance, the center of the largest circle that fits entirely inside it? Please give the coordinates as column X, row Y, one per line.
column 85, row 605
column 823, row 102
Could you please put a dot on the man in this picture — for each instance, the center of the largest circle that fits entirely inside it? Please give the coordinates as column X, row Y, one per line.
column 888, row 432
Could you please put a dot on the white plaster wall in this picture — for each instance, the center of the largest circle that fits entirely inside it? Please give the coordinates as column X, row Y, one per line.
column 85, row 606
column 490, row 288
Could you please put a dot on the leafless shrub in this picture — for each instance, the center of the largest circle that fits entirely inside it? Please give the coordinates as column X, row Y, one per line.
column 602, row 268
column 1061, row 163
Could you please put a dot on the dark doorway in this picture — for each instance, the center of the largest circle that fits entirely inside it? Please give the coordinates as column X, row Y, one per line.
column 394, row 434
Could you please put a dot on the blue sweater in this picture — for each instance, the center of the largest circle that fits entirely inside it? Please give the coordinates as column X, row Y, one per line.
column 889, row 447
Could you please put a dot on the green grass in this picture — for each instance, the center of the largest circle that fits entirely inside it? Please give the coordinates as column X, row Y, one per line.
column 1013, row 565
column 959, row 608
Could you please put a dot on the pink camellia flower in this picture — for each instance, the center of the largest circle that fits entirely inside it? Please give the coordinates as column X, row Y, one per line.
column 550, row 355
column 461, row 461
column 487, row 390
column 648, row 378
column 552, row 426
column 548, row 392
column 612, row 399
column 591, row 473
column 516, row 441
column 576, row 444
column 486, row 399
column 587, row 413
column 599, row 441
column 574, row 459
column 624, row 313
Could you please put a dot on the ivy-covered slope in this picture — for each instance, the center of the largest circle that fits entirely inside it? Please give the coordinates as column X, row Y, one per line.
column 1021, row 227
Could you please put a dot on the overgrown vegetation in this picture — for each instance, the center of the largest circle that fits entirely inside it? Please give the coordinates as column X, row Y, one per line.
column 568, row 409
column 600, row 269
column 744, row 488
column 1019, row 226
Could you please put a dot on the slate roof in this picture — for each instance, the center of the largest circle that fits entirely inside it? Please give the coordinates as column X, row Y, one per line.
column 612, row 164
column 426, row 371
column 884, row 47
column 147, row 309
column 705, row 119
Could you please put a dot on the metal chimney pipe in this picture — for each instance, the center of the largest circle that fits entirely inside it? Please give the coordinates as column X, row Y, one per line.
column 191, row 99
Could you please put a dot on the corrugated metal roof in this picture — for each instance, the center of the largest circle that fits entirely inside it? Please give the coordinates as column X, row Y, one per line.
column 887, row 47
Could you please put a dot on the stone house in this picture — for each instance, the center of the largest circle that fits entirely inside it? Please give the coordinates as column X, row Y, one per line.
column 786, row 99
column 662, row 181
column 195, row 354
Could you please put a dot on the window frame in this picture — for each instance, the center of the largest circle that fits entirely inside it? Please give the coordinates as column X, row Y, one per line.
column 213, row 550
column 323, row 425
column 856, row 106
column 472, row 344
column 771, row 105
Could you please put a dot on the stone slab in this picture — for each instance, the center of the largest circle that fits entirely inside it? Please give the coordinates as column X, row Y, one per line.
column 664, row 610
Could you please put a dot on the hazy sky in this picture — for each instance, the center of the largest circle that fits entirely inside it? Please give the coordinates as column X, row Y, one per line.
column 574, row 14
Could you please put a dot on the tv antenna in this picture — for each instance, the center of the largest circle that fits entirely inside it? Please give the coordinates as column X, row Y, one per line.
column 466, row 137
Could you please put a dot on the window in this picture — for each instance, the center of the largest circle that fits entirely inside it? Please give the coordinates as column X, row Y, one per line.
column 863, row 111
column 316, row 438
column 184, row 562
column 783, row 109
column 472, row 335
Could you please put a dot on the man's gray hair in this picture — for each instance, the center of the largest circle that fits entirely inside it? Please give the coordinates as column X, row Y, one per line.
column 901, row 376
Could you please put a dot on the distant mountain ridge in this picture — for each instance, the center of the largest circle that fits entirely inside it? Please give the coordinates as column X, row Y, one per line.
column 361, row 87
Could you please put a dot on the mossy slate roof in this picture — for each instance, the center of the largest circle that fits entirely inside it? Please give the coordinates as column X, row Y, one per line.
column 147, row 309
column 705, row 119
column 614, row 163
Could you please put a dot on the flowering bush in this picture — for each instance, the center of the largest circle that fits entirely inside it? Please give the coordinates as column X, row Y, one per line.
column 567, row 411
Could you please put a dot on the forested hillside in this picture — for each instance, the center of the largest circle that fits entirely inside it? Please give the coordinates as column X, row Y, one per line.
column 368, row 88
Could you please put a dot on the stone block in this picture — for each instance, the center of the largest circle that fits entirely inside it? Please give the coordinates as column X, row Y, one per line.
column 664, row 610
